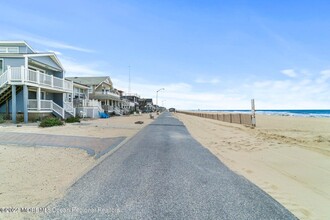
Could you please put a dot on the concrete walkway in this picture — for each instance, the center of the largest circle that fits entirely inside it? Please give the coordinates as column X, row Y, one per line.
column 94, row 146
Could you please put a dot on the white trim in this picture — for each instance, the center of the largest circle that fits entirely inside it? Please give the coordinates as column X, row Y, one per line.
column 36, row 69
column 12, row 55
column 52, row 55
column 104, row 83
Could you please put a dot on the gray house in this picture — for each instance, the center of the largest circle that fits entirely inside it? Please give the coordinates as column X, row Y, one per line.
column 31, row 83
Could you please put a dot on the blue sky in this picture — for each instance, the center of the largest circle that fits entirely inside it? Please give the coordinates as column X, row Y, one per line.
column 206, row 54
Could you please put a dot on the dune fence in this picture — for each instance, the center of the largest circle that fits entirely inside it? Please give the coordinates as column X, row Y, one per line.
column 243, row 119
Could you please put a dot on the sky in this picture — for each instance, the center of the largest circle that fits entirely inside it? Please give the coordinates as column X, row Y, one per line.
column 206, row 54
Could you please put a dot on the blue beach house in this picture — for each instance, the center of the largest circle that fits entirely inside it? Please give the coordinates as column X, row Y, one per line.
column 32, row 84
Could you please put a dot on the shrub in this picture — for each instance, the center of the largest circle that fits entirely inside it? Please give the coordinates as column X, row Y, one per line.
column 72, row 120
column 19, row 118
column 50, row 122
column 2, row 120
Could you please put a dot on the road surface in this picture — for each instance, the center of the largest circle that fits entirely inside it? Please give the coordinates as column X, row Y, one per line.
column 163, row 173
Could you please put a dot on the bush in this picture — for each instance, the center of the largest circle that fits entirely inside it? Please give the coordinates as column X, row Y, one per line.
column 2, row 120
column 19, row 118
column 50, row 122
column 72, row 120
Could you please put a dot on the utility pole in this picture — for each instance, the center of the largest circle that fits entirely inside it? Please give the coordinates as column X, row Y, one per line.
column 157, row 95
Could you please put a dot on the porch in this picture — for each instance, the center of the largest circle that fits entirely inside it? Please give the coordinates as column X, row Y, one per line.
column 24, row 76
column 49, row 106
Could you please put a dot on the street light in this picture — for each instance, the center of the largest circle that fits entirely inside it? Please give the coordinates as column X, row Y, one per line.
column 157, row 96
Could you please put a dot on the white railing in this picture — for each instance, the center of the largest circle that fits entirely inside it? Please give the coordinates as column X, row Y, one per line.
column 3, row 79
column 92, row 103
column 32, row 76
column 102, row 94
column 58, row 109
column 16, row 74
column 57, row 82
column 68, row 106
column 46, row 105
column 32, row 104
column 67, row 85
column 19, row 75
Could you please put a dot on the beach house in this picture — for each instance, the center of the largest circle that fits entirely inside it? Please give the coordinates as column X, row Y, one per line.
column 32, row 84
column 101, row 89
column 146, row 105
column 133, row 100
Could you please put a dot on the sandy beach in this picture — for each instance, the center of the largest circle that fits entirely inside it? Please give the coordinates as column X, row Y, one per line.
column 287, row 157
column 35, row 176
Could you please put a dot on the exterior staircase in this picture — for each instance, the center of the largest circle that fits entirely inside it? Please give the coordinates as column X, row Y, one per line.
column 6, row 92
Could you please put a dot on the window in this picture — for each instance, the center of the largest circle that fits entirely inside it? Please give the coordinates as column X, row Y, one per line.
column 36, row 69
column 9, row 50
column 43, row 95
column 12, row 49
column 1, row 66
column 90, row 89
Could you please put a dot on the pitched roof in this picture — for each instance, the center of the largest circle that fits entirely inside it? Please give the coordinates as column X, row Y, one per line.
column 15, row 43
column 89, row 80
column 50, row 55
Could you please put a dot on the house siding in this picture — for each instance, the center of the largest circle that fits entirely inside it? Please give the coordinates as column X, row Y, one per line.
column 13, row 62
column 58, row 98
column 55, row 73
column 46, row 60
column 24, row 49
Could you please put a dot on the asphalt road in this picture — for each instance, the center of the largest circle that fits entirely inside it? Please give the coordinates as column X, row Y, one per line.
column 163, row 173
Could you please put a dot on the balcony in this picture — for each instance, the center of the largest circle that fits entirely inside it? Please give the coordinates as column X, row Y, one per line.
column 104, row 96
column 21, row 76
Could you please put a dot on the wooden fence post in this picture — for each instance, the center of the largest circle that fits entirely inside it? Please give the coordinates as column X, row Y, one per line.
column 253, row 108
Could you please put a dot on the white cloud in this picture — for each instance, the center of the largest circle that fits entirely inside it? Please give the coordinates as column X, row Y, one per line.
column 324, row 76
column 56, row 52
column 49, row 43
column 298, row 93
column 73, row 68
column 289, row 72
column 207, row 81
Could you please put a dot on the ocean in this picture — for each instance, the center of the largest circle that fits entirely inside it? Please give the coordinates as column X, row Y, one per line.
column 297, row 113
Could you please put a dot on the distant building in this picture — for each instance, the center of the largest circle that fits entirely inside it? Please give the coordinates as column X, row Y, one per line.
column 146, row 105
column 101, row 89
column 133, row 100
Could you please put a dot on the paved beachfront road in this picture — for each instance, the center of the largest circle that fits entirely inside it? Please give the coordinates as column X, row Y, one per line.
column 163, row 173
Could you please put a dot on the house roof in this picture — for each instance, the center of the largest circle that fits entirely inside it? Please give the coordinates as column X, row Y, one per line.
column 51, row 55
column 90, row 80
column 15, row 43
column 34, row 54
